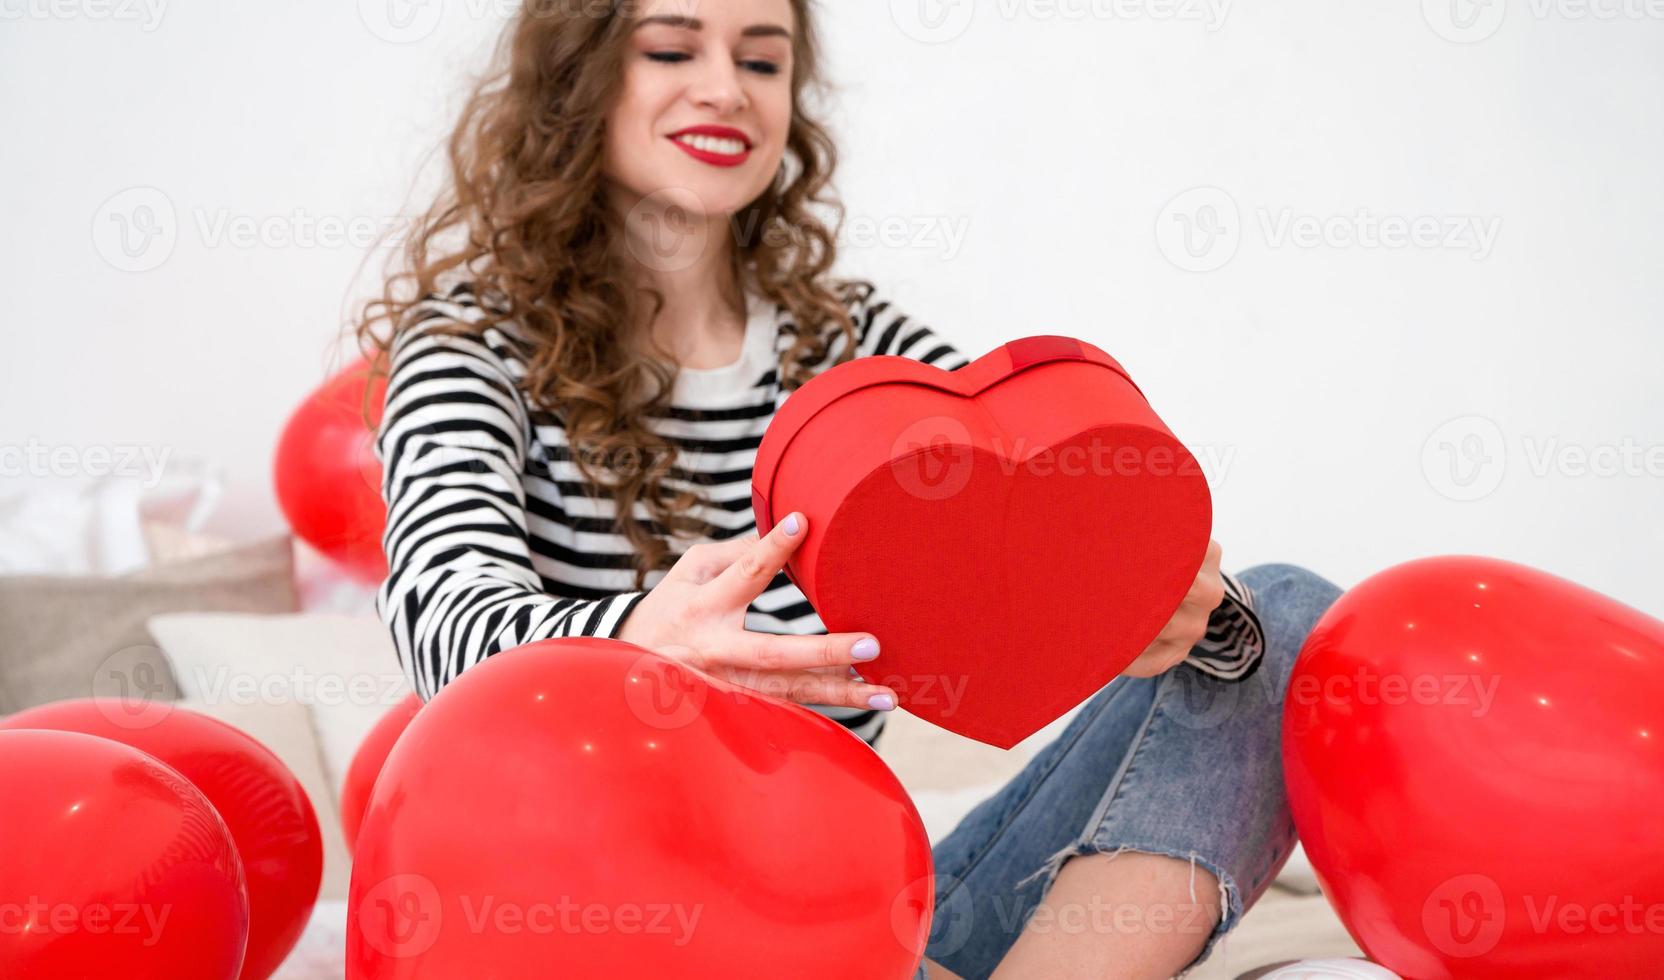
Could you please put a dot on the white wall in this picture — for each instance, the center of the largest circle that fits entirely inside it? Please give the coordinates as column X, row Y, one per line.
column 1057, row 136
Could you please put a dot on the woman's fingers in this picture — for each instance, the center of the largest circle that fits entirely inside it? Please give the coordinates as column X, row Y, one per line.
column 814, row 669
column 755, row 567
column 703, row 562
column 772, row 651
column 814, row 687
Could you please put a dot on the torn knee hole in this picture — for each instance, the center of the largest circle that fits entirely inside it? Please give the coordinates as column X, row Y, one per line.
column 1053, row 865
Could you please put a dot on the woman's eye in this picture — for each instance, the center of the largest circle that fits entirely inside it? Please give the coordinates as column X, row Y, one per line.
column 674, row 57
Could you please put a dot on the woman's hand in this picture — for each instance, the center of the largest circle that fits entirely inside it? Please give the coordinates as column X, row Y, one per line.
column 696, row 615
column 1188, row 625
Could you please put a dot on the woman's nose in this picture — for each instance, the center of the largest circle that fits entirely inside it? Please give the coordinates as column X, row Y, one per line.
column 718, row 87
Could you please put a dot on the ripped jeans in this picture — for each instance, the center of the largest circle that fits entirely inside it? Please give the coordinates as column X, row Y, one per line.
column 1181, row 764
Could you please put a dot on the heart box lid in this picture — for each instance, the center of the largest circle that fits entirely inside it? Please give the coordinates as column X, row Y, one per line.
column 829, row 386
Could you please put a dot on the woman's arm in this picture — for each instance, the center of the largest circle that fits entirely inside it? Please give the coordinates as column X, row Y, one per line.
column 1235, row 641
column 461, row 585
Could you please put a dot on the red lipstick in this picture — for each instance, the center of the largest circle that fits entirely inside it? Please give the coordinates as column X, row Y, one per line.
column 709, row 154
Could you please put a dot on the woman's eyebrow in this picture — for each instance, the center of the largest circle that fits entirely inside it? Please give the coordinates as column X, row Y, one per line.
column 695, row 24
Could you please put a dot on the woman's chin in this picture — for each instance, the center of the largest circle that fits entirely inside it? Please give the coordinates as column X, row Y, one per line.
column 686, row 199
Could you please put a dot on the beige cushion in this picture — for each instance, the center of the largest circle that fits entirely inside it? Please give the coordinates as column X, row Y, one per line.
column 286, row 729
column 75, row 636
column 342, row 667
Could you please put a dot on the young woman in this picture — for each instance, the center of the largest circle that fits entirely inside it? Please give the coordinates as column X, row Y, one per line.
column 620, row 286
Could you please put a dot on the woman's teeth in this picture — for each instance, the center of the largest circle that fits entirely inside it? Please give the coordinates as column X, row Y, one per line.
column 712, row 144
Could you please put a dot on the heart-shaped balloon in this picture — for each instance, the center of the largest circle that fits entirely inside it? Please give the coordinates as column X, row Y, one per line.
column 1474, row 755
column 264, row 807
column 114, row 866
column 585, row 809
column 1014, row 533
column 366, row 765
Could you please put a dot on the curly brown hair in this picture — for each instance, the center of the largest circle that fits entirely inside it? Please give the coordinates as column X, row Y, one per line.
column 524, row 218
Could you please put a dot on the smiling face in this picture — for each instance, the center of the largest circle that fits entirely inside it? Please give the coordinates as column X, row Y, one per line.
column 705, row 107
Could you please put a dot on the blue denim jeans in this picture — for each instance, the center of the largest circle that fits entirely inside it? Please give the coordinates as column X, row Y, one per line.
column 1182, row 765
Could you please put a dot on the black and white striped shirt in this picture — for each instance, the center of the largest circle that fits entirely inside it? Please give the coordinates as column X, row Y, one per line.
column 492, row 541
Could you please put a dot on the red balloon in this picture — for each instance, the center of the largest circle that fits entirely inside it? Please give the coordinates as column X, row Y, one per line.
column 113, row 866
column 1474, row 755
column 586, row 807
column 367, row 763
column 327, row 477
column 269, row 817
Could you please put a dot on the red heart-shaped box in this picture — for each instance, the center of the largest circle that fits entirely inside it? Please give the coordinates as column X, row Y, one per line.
column 1015, row 533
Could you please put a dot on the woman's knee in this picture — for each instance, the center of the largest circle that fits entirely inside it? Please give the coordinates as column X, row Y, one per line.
column 1288, row 600
column 1284, row 578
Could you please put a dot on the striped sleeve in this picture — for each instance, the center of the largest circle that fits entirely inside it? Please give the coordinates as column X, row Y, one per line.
column 882, row 329
column 1235, row 641
column 460, row 584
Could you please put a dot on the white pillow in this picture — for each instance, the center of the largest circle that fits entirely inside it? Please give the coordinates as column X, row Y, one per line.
column 341, row 667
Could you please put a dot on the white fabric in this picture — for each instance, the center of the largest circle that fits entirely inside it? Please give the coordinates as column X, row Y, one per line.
column 95, row 525
column 321, row 953
column 87, row 528
column 1332, row 970
column 324, row 588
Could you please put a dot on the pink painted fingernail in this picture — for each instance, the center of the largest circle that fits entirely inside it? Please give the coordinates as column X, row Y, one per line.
column 881, row 702
column 866, row 648
column 791, row 524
